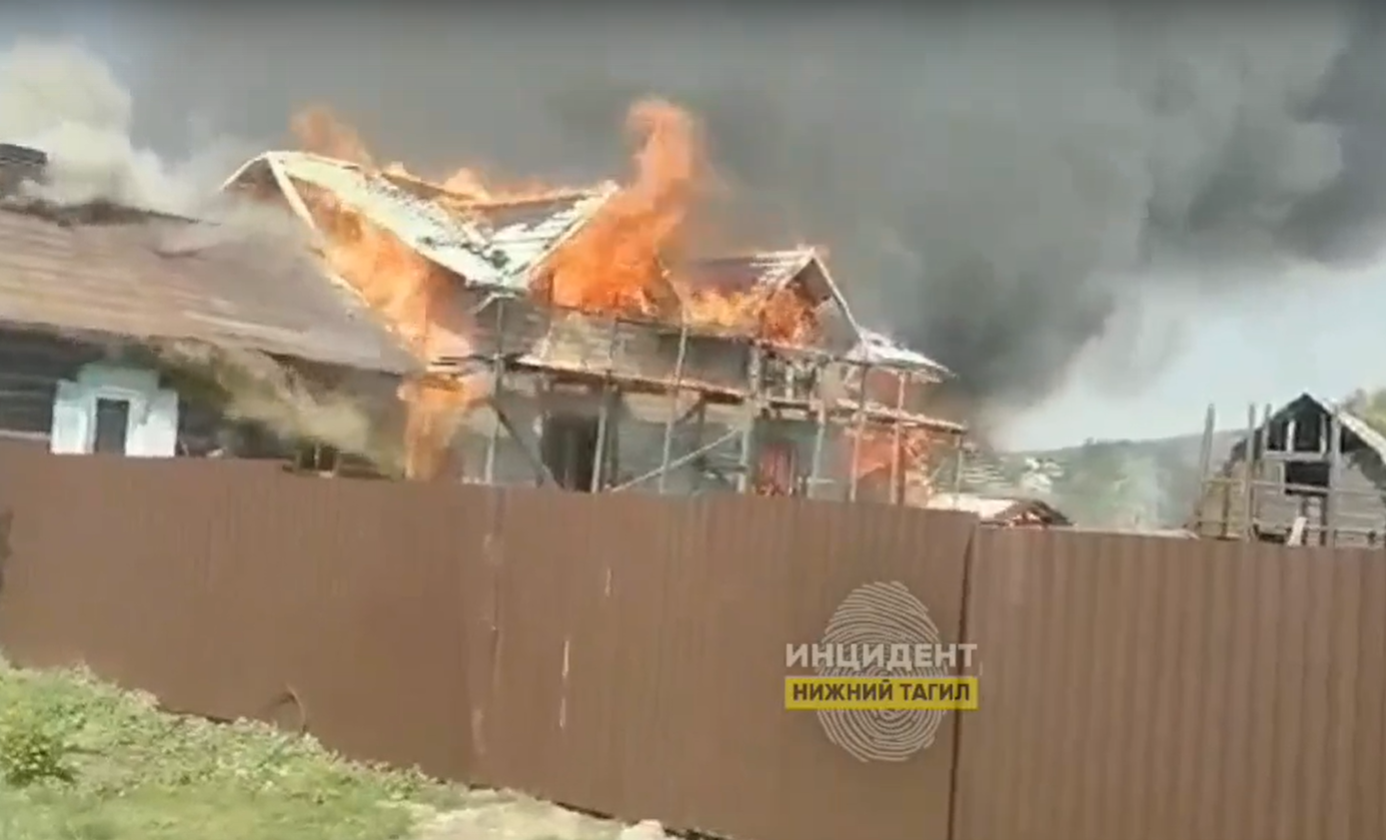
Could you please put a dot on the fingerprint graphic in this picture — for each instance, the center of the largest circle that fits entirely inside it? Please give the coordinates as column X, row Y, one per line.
column 881, row 614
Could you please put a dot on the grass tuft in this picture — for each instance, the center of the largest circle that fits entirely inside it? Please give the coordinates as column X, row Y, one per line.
column 80, row 760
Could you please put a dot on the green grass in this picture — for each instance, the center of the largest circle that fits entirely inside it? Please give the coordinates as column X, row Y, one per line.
column 85, row 761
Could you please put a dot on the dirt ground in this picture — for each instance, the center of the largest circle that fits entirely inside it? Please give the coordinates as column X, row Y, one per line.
column 495, row 815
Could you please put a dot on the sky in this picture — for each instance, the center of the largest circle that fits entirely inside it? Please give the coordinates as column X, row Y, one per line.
column 1325, row 337
column 913, row 156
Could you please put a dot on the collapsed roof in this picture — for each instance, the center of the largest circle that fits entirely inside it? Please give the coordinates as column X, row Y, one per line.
column 496, row 245
column 769, row 272
column 501, row 246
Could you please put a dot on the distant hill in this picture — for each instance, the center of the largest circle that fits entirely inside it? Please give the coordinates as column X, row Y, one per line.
column 1114, row 484
column 1127, row 483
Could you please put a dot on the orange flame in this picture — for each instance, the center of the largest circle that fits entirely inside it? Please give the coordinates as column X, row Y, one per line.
column 320, row 131
column 624, row 262
column 435, row 407
column 407, row 290
column 788, row 318
column 782, row 316
column 615, row 264
column 873, row 450
column 876, row 452
column 776, row 469
column 393, row 279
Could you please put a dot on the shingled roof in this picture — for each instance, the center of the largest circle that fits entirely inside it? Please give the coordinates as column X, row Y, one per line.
column 117, row 272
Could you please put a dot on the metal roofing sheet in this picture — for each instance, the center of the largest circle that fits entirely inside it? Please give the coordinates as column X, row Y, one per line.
column 501, row 244
column 525, row 233
column 876, row 347
column 991, row 508
column 775, row 269
column 490, row 244
column 984, row 506
column 742, row 272
column 1364, row 430
column 120, row 279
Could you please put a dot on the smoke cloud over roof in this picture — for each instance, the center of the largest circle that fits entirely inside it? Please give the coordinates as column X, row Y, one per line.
column 995, row 187
column 61, row 98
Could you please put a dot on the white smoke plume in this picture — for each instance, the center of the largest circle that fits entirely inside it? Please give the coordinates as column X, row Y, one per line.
column 63, row 100
column 57, row 97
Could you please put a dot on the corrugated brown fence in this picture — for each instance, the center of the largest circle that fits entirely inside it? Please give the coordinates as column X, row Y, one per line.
column 626, row 653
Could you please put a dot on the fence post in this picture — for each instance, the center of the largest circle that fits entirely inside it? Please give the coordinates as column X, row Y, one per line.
column 971, row 556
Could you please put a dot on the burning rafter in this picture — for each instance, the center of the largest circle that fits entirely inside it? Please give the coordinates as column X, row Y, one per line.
column 412, row 250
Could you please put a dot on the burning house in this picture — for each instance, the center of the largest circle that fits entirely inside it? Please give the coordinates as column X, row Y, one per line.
column 135, row 333
column 563, row 346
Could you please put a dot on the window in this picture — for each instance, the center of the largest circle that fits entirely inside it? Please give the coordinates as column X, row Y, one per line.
column 1309, row 433
column 112, row 423
column 1306, row 476
column 1303, row 432
column 316, row 457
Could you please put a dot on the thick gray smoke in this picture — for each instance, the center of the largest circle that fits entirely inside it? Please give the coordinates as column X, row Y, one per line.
column 995, row 187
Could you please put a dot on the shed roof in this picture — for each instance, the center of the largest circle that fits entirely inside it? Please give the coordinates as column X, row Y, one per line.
column 998, row 509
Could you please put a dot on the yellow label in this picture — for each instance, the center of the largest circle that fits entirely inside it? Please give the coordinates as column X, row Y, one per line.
column 880, row 693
